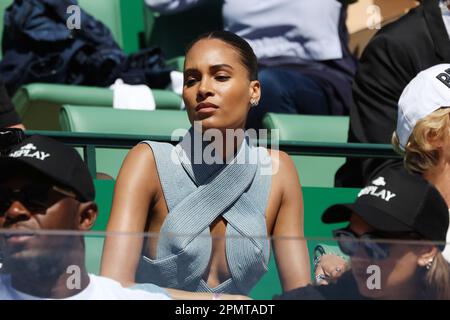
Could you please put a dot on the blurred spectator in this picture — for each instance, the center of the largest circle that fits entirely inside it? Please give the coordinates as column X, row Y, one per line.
column 423, row 129
column 305, row 64
column 422, row 137
column 396, row 206
column 396, row 54
column 45, row 185
column 8, row 115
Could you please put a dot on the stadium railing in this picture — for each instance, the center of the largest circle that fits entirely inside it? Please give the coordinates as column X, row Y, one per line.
column 316, row 199
column 90, row 141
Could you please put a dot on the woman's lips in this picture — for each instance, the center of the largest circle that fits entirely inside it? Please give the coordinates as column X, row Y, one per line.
column 206, row 107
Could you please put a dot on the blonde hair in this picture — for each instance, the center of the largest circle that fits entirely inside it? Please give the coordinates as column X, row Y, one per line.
column 437, row 278
column 419, row 154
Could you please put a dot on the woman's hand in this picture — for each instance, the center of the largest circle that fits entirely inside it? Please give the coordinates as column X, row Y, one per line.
column 329, row 268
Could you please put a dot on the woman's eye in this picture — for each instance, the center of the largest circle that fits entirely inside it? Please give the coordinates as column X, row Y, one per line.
column 190, row 82
column 222, row 77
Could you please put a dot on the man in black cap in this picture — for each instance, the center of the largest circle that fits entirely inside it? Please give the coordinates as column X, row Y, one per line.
column 395, row 206
column 45, row 186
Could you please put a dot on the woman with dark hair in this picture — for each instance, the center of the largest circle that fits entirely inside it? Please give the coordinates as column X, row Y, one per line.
column 213, row 212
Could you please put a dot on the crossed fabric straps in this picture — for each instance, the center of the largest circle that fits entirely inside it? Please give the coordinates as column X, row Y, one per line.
column 212, row 191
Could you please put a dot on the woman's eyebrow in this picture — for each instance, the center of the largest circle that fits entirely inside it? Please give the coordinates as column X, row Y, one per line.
column 213, row 67
column 220, row 66
column 191, row 70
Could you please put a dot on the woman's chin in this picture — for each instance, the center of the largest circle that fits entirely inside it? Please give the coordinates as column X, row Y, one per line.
column 202, row 124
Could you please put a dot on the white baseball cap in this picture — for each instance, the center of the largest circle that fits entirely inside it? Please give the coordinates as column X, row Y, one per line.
column 427, row 92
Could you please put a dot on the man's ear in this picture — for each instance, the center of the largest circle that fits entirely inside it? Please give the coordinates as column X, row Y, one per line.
column 88, row 215
column 426, row 256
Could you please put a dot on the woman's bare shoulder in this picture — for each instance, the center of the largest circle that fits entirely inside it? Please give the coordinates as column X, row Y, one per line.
column 282, row 163
column 139, row 164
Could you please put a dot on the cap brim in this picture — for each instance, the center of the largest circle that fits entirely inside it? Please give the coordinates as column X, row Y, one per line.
column 375, row 217
column 9, row 162
column 6, row 162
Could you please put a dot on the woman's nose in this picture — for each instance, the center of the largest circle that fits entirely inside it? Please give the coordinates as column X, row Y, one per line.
column 204, row 90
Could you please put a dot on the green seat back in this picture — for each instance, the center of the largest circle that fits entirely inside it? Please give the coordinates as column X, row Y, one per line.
column 39, row 103
column 3, row 5
column 316, row 200
column 173, row 32
column 313, row 171
column 124, row 18
column 104, row 190
column 113, row 121
column 108, row 12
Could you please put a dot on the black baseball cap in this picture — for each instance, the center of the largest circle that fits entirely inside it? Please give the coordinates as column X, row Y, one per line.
column 397, row 201
column 55, row 160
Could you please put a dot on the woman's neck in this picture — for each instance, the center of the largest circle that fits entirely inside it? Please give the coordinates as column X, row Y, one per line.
column 225, row 143
column 439, row 176
column 231, row 145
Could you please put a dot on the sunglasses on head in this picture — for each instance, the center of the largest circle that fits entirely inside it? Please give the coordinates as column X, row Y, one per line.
column 36, row 198
column 351, row 244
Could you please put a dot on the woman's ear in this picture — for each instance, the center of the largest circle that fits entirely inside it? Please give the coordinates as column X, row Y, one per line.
column 88, row 215
column 255, row 92
column 426, row 256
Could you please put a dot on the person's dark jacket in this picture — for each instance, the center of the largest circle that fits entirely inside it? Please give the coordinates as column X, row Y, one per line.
column 8, row 114
column 38, row 46
column 344, row 289
column 396, row 54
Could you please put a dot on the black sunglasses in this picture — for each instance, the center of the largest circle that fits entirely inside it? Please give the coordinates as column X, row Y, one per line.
column 36, row 198
column 350, row 243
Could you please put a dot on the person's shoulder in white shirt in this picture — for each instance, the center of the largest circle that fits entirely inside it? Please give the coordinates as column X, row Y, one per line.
column 99, row 288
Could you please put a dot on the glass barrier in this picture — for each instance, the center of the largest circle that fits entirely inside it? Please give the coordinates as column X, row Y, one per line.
column 89, row 266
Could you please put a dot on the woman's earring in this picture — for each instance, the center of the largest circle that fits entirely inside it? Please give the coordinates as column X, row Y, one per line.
column 253, row 103
column 429, row 264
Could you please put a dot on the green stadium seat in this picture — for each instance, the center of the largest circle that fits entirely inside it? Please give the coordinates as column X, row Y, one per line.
column 113, row 121
column 94, row 244
column 39, row 103
column 316, row 200
column 313, row 171
column 109, row 13
column 3, row 5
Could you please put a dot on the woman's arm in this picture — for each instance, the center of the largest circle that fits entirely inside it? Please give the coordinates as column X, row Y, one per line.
column 291, row 254
column 135, row 189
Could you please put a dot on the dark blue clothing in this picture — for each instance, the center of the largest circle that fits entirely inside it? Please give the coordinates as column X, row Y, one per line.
column 287, row 91
column 38, row 46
